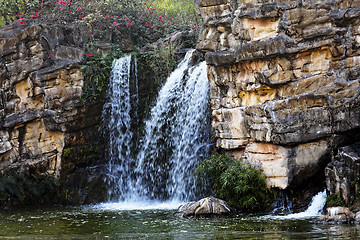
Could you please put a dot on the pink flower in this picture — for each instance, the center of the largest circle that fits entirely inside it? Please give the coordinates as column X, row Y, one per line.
column 88, row 54
column 22, row 21
column 62, row 2
column 148, row 24
column 129, row 24
column 115, row 24
column 70, row 34
column 160, row 18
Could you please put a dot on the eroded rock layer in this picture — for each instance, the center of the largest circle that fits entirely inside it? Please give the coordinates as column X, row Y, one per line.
column 284, row 79
column 44, row 126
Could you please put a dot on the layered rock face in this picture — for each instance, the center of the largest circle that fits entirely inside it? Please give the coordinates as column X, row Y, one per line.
column 42, row 120
column 342, row 174
column 284, row 79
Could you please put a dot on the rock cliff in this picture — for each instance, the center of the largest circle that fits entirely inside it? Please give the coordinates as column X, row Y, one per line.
column 285, row 81
column 44, row 126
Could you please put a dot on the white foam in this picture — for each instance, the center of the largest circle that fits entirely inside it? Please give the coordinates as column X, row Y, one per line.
column 315, row 209
column 137, row 205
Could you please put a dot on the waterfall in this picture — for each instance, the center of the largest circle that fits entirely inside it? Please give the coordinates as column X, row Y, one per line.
column 116, row 118
column 282, row 204
column 176, row 136
column 315, row 208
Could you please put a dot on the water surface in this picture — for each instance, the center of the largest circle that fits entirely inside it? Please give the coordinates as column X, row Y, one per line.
column 99, row 223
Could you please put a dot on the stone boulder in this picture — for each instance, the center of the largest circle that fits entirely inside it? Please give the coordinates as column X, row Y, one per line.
column 206, row 207
column 337, row 215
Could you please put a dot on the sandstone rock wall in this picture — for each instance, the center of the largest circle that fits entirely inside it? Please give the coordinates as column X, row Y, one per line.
column 284, row 79
column 44, row 126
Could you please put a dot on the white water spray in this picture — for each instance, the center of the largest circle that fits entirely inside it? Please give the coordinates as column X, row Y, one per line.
column 116, row 116
column 315, row 208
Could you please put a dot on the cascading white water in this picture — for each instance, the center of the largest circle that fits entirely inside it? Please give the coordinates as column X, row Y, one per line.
column 190, row 136
column 116, row 117
column 315, row 208
column 176, row 136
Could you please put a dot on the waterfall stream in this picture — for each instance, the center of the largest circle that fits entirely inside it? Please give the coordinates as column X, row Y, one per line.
column 314, row 209
column 116, row 116
column 176, row 136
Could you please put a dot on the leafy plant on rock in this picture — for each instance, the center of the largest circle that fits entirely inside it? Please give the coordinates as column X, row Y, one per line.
column 97, row 70
column 241, row 185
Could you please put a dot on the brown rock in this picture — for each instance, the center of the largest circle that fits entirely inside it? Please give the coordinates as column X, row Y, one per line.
column 337, row 215
column 206, row 207
column 280, row 76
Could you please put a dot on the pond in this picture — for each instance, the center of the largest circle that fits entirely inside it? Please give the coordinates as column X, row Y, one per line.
column 104, row 222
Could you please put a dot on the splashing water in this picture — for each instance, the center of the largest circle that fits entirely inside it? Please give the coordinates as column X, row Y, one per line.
column 315, row 208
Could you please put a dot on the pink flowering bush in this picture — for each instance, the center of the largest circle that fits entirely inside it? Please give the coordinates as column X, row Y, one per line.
column 108, row 20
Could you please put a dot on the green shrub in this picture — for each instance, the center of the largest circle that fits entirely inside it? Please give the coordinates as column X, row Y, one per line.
column 241, row 185
column 27, row 189
column 97, row 70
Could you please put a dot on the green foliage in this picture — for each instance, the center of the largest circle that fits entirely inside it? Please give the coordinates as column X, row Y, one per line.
column 334, row 200
column 23, row 189
column 10, row 10
column 161, row 62
column 153, row 69
column 97, row 70
column 238, row 183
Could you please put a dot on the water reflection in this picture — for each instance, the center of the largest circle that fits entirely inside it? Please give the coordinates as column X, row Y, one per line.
column 86, row 223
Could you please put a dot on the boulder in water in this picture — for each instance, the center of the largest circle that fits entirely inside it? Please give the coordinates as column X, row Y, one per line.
column 206, row 207
column 337, row 215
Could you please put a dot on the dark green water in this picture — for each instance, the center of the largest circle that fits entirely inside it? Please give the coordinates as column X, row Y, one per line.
column 87, row 223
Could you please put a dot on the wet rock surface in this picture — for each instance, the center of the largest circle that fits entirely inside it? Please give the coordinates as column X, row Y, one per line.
column 284, row 82
column 206, row 207
column 337, row 215
column 342, row 173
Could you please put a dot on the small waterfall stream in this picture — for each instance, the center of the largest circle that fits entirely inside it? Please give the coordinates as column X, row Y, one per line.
column 116, row 116
column 176, row 136
column 314, row 209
